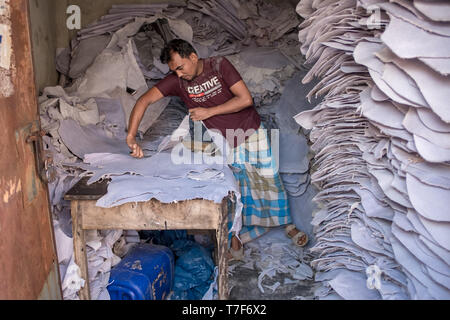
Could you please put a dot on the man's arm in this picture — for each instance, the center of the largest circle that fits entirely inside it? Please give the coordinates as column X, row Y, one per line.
column 242, row 99
column 151, row 96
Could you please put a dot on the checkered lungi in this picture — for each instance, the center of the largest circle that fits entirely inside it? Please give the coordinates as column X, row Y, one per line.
column 263, row 195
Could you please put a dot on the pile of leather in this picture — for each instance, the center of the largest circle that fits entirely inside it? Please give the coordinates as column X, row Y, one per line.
column 381, row 139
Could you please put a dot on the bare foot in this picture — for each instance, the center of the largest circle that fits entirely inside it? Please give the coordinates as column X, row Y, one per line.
column 235, row 243
column 235, row 246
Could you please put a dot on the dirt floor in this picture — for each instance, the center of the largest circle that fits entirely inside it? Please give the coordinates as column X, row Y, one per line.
column 269, row 253
column 244, row 286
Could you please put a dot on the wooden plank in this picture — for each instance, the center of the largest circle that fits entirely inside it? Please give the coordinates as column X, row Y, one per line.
column 152, row 215
column 82, row 191
column 222, row 248
column 79, row 246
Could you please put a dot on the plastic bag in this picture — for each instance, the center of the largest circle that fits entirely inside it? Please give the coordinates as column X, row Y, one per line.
column 194, row 270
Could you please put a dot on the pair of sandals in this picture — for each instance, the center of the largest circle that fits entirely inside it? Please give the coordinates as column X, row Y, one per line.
column 300, row 239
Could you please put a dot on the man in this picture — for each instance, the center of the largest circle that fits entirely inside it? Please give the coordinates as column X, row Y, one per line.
column 215, row 93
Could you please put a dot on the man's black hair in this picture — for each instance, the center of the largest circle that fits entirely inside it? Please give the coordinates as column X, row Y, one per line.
column 182, row 47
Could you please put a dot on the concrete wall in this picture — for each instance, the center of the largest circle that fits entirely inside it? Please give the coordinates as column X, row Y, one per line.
column 49, row 31
column 294, row 3
column 43, row 39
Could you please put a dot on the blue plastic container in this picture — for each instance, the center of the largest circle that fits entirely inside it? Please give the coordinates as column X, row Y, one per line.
column 145, row 273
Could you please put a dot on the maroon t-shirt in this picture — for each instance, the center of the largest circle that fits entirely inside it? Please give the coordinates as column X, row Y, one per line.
column 210, row 89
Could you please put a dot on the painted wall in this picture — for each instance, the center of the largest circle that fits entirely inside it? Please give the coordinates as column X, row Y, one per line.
column 28, row 263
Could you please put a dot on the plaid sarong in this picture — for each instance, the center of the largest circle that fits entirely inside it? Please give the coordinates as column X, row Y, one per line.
column 262, row 192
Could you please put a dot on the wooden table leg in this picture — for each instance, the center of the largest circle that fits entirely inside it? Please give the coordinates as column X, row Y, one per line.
column 222, row 245
column 79, row 246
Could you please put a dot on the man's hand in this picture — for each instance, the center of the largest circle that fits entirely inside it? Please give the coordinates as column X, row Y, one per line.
column 136, row 150
column 151, row 96
column 200, row 114
column 242, row 99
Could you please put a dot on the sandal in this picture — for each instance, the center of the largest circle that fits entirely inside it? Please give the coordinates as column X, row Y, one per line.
column 297, row 236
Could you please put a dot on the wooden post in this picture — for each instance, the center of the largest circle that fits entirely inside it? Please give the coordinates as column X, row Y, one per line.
column 222, row 248
column 79, row 246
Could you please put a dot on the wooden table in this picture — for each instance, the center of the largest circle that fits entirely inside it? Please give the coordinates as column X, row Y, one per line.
column 151, row 215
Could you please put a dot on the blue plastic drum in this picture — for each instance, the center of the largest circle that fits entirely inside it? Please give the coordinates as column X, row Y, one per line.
column 145, row 273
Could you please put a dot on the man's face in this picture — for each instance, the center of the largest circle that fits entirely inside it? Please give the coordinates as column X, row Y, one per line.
column 185, row 68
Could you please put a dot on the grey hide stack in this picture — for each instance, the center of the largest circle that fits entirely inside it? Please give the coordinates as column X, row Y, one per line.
column 381, row 141
column 259, row 38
